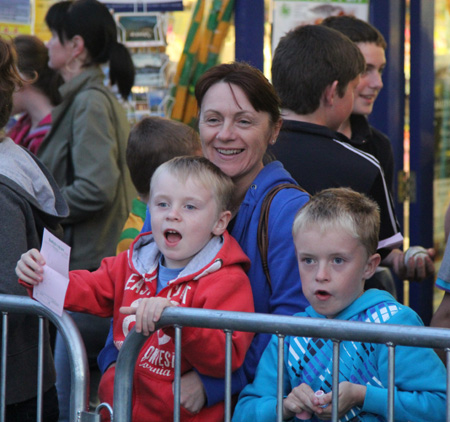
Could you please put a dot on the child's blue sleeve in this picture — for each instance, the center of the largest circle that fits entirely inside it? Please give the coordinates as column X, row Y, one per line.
column 215, row 387
column 258, row 400
column 109, row 353
column 420, row 381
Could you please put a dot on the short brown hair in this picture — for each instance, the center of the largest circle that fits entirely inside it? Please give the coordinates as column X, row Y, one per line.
column 344, row 208
column 153, row 141
column 356, row 29
column 257, row 88
column 207, row 173
column 310, row 58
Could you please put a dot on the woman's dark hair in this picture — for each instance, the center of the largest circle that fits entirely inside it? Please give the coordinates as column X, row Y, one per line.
column 257, row 88
column 9, row 80
column 32, row 61
column 93, row 22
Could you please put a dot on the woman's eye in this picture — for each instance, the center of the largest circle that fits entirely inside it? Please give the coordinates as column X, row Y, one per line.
column 308, row 261
column 162, row 204
column 190, row 207
column 212, row 120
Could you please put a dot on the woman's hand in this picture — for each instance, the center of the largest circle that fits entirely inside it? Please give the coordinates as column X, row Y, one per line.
column 30, row 267
column 192, row 394
column 147, row 313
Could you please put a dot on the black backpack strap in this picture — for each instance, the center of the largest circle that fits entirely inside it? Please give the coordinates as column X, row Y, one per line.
column 263, row 225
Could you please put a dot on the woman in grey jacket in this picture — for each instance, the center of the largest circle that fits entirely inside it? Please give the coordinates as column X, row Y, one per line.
column 29, row 202
column 85, row 149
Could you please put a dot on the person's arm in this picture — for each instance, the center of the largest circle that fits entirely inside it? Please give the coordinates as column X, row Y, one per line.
column 420, row 380
column 285, row 297
column 13, row 232
column 108, row 355
column 441, row 319
column 415, row 269
column 258, row 400
column 94, row 156
column 227, row 289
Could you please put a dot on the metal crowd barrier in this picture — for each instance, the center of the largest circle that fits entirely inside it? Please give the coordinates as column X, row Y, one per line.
column 390, row 335
column 75, row 347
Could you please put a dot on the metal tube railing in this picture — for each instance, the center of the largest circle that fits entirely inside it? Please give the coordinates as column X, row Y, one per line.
column 390, row 335
column 75, row 348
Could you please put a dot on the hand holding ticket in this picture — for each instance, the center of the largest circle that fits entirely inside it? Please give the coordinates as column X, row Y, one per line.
column 55, row 278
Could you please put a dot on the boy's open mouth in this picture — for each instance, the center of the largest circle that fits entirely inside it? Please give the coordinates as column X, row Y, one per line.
column 322, row 294
column 172, row 236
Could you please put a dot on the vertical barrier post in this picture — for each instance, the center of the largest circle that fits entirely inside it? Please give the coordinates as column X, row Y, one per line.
column 335, row 387
column 228, row 362
column 177, row 374
column 447, row 355
column 391, row 381
column 280, row 378
column 3, row 364
column 40, row 369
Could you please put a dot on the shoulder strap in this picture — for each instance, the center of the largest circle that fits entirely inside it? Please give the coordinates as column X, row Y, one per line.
column 263, row 225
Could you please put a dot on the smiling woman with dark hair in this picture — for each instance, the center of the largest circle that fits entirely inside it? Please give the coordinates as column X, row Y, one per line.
column 239, row 116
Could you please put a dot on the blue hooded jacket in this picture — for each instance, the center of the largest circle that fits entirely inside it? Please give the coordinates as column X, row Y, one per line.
column 420, row 376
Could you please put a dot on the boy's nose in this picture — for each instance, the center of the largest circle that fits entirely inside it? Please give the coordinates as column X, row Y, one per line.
column 173, row 214
column 322, row 272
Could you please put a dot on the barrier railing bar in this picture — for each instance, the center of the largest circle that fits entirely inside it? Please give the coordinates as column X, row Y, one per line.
column 264, row 323
column 228, row 363
column 335, row 381
column 40, row 369
column 447, row 355
column 391, row 380
column 71, row 335
column 309, row 327
column 177, row 374
column 280, row 376
column 3, row 365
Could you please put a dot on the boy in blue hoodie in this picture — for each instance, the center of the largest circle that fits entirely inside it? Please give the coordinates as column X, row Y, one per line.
column 336, row 238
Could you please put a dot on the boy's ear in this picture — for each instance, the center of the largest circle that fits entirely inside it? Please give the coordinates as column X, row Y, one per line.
column 221, row 223
column 330, row 93
column 371, row 265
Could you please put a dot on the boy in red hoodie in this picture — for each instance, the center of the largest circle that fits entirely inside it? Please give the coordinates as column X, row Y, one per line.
column 188, row 260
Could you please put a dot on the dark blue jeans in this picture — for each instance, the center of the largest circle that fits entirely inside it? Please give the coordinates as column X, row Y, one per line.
column 26, row 411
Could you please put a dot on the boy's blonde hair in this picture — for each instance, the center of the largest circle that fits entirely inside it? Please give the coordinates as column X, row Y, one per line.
column 205, row 172
column 343, row 208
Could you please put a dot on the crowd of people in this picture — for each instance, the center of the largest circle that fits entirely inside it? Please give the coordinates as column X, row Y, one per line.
column 165, row 215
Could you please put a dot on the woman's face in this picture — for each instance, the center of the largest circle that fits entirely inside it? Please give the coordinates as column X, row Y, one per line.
column 234, row 135
column 59, row 53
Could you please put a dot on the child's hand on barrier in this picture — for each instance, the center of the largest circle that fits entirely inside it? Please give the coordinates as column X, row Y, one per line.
column 301, row 403
column 30, row 267
column 147, row 313
column 350, row 395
